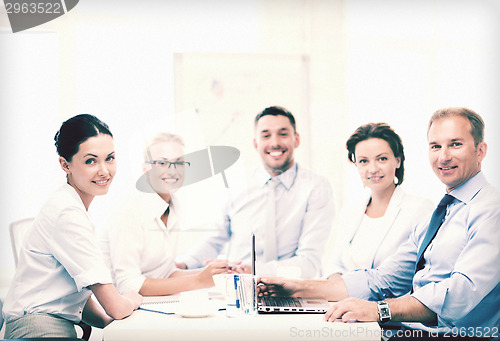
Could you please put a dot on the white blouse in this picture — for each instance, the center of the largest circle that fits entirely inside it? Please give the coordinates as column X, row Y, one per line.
column 364, row 243
column 367, row 232
column 59, row 258
column 136, row 243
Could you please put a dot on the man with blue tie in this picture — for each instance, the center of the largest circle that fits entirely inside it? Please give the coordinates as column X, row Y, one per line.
column 445, row 280
column 289, row 208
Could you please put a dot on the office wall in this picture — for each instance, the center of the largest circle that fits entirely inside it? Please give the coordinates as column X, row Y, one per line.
column 406, row 61
column 380, row 60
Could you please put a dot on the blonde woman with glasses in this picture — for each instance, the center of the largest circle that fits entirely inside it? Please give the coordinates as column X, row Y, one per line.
column 142, row 234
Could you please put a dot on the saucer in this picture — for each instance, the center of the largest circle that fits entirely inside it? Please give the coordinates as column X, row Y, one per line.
column 194, row 313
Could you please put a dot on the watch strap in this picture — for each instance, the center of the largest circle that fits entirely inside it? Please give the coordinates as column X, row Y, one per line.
column 384, row 313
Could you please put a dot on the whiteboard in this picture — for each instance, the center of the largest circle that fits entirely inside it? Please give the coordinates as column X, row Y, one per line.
column 227, row 91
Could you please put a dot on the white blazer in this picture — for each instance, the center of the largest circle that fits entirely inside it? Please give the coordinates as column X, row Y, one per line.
column 402, row 215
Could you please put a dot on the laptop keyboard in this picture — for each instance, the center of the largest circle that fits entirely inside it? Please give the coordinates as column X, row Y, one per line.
column 271, row 301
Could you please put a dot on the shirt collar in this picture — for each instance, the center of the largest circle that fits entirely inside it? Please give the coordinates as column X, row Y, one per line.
column 468, row 190
column 75, row 194
column 287, row 178
column 155, row 202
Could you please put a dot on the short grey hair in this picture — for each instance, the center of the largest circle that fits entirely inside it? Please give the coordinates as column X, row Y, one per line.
column 476, row 122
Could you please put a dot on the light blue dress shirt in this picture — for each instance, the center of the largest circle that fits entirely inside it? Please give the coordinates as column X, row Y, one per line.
column 460, row 280
column 304, row 216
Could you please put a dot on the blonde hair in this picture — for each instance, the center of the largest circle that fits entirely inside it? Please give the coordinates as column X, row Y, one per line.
column 162, row 137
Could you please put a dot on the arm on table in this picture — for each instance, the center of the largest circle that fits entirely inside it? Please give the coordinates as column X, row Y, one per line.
column 331, row 290
column 403, row 309
column 348, row 308
column 183, row 280
column 94, row 315
column 116, row 305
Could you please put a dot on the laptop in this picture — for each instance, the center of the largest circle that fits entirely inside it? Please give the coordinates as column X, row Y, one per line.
column 287, row 304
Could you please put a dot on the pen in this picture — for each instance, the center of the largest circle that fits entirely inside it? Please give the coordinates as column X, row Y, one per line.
column 237, row 291
column 162, row 312
column 156, row 311
column 243, row 295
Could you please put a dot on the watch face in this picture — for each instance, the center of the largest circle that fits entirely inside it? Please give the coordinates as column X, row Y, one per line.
column 384, row 311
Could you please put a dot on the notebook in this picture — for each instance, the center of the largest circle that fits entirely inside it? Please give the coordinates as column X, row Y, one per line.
column 280, row 305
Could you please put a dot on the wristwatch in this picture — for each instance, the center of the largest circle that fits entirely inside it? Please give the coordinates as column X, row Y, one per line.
column 384, row 312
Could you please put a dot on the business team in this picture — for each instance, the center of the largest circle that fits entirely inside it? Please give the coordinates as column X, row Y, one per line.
column 435, row 278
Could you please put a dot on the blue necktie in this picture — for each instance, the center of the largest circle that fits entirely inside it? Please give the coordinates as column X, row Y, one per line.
column 436, row 222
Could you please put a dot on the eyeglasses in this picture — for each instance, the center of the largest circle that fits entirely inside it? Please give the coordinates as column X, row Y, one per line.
column 163, row 163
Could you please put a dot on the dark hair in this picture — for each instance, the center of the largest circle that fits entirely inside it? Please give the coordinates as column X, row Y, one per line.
column 379, row 131
column 77, row 130
column 476, row 122
column 276, row 111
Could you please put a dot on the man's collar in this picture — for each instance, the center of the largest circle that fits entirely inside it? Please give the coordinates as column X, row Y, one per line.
column 468, row 190
column 287, row 178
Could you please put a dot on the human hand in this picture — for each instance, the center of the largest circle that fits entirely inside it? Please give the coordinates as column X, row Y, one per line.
column 134, row 297
column 214, row 267
column 278, row 286
column 180, row 265
column 334, row 276
column 232, row 265
column 242, row 269
column 353, row 309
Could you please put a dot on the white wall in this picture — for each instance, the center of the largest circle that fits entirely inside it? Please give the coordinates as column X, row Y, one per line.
column 379, row 60
column 405, row 61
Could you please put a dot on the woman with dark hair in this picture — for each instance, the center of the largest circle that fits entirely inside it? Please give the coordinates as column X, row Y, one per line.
column 371, row 230
column 60, row 262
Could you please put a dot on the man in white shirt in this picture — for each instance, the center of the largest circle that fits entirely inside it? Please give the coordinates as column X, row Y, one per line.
column 289, row 208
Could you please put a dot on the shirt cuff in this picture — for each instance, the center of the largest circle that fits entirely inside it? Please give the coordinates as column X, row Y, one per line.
column 99, row 275
column 133, row 283
column 432, row 296
column 191, row 262
column 356, row 283
column 330, row 273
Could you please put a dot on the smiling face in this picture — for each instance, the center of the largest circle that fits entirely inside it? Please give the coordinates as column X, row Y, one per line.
column 167, row 178
column 275, row 140
column 92, row 168
column 376, row 164
column 452, row 154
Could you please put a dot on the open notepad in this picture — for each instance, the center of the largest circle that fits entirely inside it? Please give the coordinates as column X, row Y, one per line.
column 171, row 305
column 153, row 300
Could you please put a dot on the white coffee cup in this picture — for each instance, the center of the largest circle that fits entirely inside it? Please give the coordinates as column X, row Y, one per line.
column 195, row 304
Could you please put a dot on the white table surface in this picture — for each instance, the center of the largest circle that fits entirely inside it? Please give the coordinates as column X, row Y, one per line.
column 145, row 325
